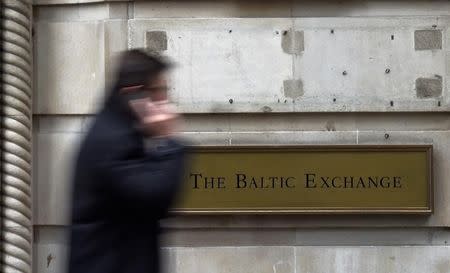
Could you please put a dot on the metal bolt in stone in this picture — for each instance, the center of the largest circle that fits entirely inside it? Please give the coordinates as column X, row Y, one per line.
column 344, row 73
column 386, row 136
column 387, row 71
column 231, row 101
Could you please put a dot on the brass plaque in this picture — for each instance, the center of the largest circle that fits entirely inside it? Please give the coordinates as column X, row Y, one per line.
column 308, row 179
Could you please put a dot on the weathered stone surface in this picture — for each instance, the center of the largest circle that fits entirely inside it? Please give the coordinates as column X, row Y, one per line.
column 223, row 64
column 60, row 124
column 52, row 186
column 364, row 236
column 227, row 237
column 369, row 8
column 441, row 237
column 283, row 8
column 50, row 258
column 51, row 251
column 293, row 41
column 429, row 87
column 339, row 44
column 230, row 259
column 402, row 122
column 246, row 64
column 204, row 237
column 202, row 9
column 156, row 40
column 317, row 122
column 373, row 259
column 206, row 138
column 69, row 67
column 291, row 138
column 60, row 2
column 293, row 88
column 427, row 39
column 95, row 11
column 116, row 32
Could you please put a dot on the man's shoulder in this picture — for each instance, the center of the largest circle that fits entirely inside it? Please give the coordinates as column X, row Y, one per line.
column 107, row 136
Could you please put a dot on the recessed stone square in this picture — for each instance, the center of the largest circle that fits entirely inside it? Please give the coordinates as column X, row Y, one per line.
column 156, row 40
column 429, row 87
column 427, row 39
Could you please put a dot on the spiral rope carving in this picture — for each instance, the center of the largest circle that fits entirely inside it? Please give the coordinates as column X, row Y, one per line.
column 16, row 81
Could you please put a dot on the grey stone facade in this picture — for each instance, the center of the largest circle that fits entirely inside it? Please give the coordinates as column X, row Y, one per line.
column 297, row 72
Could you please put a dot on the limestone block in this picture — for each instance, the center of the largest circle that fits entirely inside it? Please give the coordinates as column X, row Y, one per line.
column 373, row 259
column 316, row 122
column 223, row 64
column 441, row 237
column 429, row 87
column 428, row 39
column 269, row 122
column 60, row 2
column 69, row 67
column 293, row 138
column 60, row 124
column 298, row 65
column 50, row 249
column 291, row 122
column 230, row 259
column 227, row 237
column 369, row 8
column 202, row 9
column 365, row 63
column 206, row 138
column 115, row 42
column 363, row 236
column 118, row 10
column 204, row 237
column 156, row 40
column 293, row 89
column 55, row 163
column 402, row 122
column 95, row 11
column 206, row 123
column 83, row 12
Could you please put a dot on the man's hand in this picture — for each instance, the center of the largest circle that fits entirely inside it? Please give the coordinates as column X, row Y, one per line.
column 157, row 119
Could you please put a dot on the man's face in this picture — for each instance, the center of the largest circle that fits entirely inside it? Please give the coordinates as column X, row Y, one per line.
column 158, row 88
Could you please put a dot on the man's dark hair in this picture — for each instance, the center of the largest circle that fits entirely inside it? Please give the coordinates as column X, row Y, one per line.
column 137, row 67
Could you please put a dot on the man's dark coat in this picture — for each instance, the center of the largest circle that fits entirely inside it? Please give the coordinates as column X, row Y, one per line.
column 121, row 190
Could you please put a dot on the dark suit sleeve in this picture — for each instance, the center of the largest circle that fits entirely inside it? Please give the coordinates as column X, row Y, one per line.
column 147, row 182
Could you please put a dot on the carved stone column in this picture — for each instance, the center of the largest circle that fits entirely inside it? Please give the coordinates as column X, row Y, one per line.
column 16, row 81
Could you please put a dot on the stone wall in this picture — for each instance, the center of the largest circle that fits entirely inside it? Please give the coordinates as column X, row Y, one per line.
column 252, row 72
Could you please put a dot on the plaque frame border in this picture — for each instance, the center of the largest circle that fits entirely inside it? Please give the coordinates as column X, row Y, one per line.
column 428, row 210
